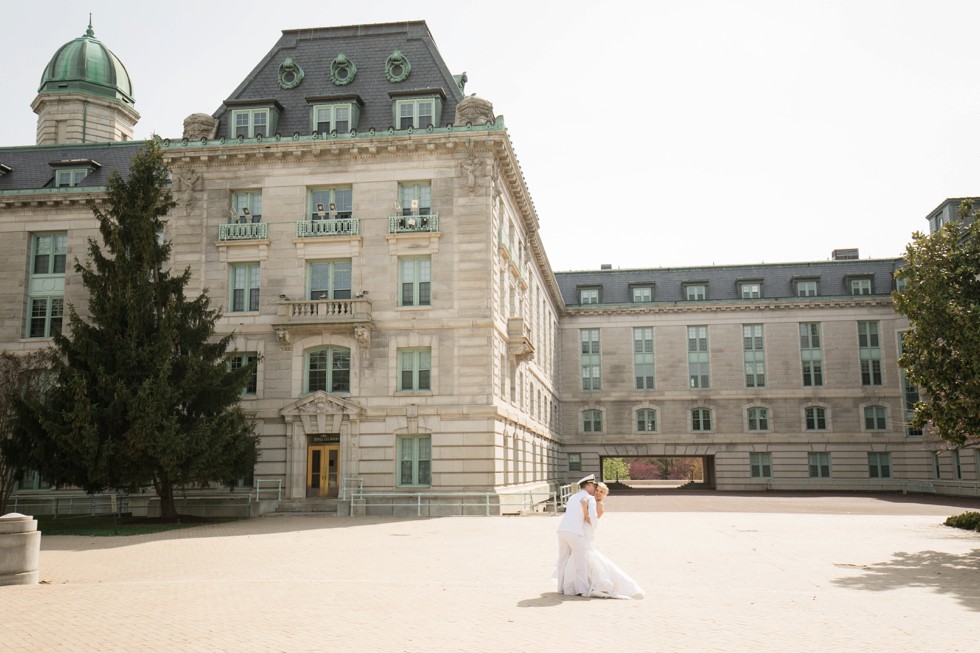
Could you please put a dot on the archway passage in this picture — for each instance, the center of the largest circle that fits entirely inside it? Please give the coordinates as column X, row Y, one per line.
column 649, row 474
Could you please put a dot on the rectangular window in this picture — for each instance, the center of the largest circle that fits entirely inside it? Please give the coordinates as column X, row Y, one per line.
column 697, row 356
column 701, row 419
column 46, row 285
column 643, row 357
column 328, row 369
column 67, row 177
column 760, row 464
column 417, row 113
column 415, row 280
column 860, row 286
column 754, row 354
column 819, row 464
column 957, row 469
column 589, row 362
column 331, row 204
column 695, row 292
column 244, row 287
column 816, row 418
column 750, row 290
column 414, row 460
column 329, row 279
column 641, row 294
column 574, row 462
column 646, row 420
column 874, row 418
column 415, row 369
column 246, row 205
column 910, row 395
column 592, row 421
column 416, row 199
column 249, row 123
column 879, row 465
column 758, row 419
column 340, row 118
column 869, row 353
column 243, row 360
column 588, row 296
column 811, row 354
column 806, row 288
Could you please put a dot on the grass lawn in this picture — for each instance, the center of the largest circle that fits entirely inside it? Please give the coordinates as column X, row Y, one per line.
column 103, row 525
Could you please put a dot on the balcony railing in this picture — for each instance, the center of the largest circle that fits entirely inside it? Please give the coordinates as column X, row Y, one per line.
column 328, row 227
column 326, row 311
column 243, row 231
column 398, row 224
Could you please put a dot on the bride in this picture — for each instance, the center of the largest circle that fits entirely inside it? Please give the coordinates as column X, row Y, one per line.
column 606, row 579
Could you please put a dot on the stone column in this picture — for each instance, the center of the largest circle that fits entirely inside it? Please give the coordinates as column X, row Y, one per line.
column 20, row 548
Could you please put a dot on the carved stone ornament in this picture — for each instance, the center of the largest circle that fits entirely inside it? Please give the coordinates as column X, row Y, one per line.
column 474, row 110
column 290, row 74
column 397, row 67
column 342, row 70
column 471, row 167
column 284, row 341
column 363, row 336
column 200, row 125
column 186, row 182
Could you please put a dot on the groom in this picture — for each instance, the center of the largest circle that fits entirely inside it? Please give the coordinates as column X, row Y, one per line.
column 573, row 546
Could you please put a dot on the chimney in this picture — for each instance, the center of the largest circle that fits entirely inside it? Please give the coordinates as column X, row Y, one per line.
column 845, row 254
column 606, row 266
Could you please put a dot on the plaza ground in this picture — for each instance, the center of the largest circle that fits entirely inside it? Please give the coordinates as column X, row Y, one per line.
column 722, row 573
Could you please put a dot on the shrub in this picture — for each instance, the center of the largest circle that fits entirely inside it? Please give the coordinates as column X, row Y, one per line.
column 968, row 521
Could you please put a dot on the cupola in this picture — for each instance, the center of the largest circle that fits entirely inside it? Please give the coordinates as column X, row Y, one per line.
column 85, row 95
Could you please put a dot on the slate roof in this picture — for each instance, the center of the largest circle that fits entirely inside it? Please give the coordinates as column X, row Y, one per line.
column 368, row 47
column 30, row 166
column 722, row 281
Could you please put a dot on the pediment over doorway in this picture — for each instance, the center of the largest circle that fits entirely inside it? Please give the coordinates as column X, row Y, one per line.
column 321, row 412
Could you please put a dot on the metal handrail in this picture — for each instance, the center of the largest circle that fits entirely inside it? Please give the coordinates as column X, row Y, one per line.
column 275, row 483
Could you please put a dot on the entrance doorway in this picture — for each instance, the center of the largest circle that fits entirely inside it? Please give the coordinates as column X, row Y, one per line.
column 321, row 470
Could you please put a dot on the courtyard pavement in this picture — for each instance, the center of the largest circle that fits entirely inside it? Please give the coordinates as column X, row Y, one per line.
column 722, row 573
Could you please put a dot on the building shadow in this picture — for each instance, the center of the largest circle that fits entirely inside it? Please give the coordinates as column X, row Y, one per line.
column 956, row 576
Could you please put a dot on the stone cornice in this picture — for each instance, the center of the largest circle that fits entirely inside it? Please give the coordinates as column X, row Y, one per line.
column 51, row 198
column 735, row 305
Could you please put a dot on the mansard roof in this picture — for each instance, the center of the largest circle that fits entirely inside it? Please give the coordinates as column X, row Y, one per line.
column 366, row 48
column 722, row 281
column 32, row 167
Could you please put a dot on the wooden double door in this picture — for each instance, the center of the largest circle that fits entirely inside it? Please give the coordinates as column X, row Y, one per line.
column 322, row 466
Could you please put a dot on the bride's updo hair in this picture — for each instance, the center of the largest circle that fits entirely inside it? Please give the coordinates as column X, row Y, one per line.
column 603, row 486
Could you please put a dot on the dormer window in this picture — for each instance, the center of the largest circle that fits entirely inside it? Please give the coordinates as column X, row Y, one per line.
column 334, row 113
column 71, row 172
column 641, row 294
column 860, row 285
column 4, row 169
column 750, row 289
column 695, row 292
column 588, row 295
column 806, row 287
column 67, row 177
column 418, row 108
column 254, row 121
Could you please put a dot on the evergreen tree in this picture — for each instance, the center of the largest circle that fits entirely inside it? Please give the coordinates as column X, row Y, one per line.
column 142, row 391
column 941, row 350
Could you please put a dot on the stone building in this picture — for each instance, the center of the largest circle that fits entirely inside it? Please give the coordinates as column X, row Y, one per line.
column 368, row 231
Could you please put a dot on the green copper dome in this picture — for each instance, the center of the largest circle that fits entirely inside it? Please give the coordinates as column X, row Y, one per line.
column 86, row 65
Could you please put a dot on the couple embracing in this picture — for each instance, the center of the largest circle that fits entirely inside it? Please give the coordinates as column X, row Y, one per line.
column 582, row 570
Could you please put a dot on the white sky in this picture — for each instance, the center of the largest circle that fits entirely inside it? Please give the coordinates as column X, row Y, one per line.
column 651, row 134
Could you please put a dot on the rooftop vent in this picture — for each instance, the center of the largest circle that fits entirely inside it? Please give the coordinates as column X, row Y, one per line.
column 606, row 266
column 845, row 255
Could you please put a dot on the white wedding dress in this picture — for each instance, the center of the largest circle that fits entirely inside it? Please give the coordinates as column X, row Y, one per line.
column 606, row 579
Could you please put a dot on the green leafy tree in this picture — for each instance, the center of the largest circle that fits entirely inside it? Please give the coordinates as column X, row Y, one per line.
column 142, row 390
column 615, row 469
column 941, row 350
column 18, row 374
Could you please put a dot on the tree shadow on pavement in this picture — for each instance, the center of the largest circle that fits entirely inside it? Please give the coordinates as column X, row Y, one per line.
column 944, row 573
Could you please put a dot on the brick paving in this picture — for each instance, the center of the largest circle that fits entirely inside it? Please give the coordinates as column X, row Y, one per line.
column 722, row 573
